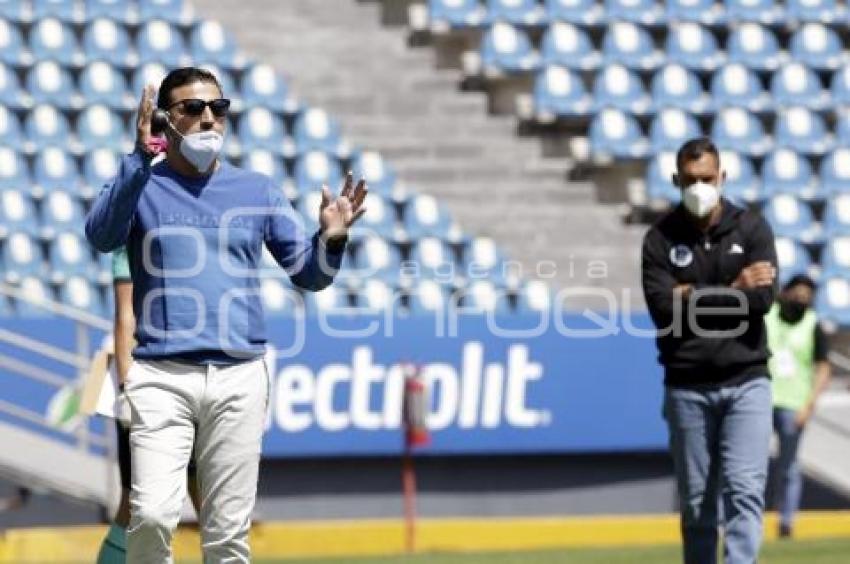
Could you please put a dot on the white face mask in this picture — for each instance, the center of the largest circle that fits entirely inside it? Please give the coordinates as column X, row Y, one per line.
column 700, row 198
column 201, row 148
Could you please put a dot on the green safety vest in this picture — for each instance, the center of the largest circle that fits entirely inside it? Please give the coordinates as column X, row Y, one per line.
column 791, row 365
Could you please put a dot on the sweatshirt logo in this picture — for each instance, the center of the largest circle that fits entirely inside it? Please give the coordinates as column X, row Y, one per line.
column 681, row 256
column 736, row 249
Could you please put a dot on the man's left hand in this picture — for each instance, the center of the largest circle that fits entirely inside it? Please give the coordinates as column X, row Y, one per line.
column 336, row 215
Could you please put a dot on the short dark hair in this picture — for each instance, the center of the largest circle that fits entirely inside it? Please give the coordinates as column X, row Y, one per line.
column 798, row 280
column 696, row 148
column 181, row 77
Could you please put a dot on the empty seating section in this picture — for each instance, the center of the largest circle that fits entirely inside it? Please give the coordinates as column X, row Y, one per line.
column 70, row 77
column 769, row 81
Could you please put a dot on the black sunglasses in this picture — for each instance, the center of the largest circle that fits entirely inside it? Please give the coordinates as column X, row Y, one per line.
column 195, row 106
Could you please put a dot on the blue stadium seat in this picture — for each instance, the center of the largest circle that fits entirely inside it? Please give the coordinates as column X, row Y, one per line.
column 581, row 12
column 117, row 10
column 826, row 11
column 54, row 169
column 791, row 217
column 481, row 259
column 260, row 128
column 802, row 130
column 762, row 11
column 842, row 127
column 832, row 301
column 46, row 125
column 568, row 45
column 428, row 297
column 660, row 190
column 672, row 127
column 616, row 134
column 755, row 46
column 13, row 170
column 211, row 43
column 20, row 256
column 517, row 12
column 377, row 259
column 482, row 296
column 377, row 296
column 424, row 216
column 315, row 168
column 308, row 208
column 786, row 171
column 79, row 293
column 505, row 48
column 314, row 129
column 265, row 162
column 457, row 13
column 15, row 10
column 741, row 185
column 835, row 259
column 178, row 12
column 98, row 126
column 148, row 73
column 560, row 92
column 705, row 12
column 737, row 85
column 106, row 40
column 159, row 42
column 738, row 130
column 68, row 255
column 817, row 46
column 279, row 299
column 17, row 213
column 10, row 127
column 835, row 171
column 433, row 259
column 34, row 288
column 534, row 296
column 618, row 87
column 99, row 167
column 101, row 83
column 11, row 94
column 675, row 86
column 693, row 46
column 379, row 219
column 379, row 175
column 60, row 212
column 840, row 86
column 644, row 12
column 330, row 300
column 792, row 258
column 797, row 85
column 13, row 51
column 836, row 215
column 51, row 39
column 262, row 86
column 628, row 44
column 49, row 83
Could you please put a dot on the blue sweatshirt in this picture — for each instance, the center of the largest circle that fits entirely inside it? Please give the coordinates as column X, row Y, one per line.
column 194, row 245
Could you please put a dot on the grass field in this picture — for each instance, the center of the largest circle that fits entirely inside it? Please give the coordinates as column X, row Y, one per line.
column 788, row 552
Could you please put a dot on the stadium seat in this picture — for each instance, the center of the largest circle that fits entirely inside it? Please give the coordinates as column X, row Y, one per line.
column 10, row 127
column 262, row 86
column 482, row 260
column 660, row 190
column 315, row 130
column 259, row 128
column 99, row 167
column 315, row 168
column 11, row 94
column 433, row 259
column 60, row 212
column 738, row 130
column 482, row 296
column 51, row 39
column 178, row 12
column 792, row 258
column 159, row 42
column 755, row 46
column 148, row 73
column 840, row 86
column 568, row 45
column 333, row 299
column 675, row 86
column 15, row 11
column 378, row 174
column 791, row 217
column 786, row 171
column 797, row 85
column 279, row 299
column 835, row 259
column 13, row 170
column 762, row 11
column 98, row 126
column 428, row 297
column 117, row 10
column 693, row 46
column 670, row 128
column 615, row 134
column 535, row 296
column 13, row 51
column 265, row 162
column 48, row 83
column 61, row 9
column 737, row 85
column 377, row 259
column 644, row 12
column 211, row 43
column 507, row 49
column 618, row 87
column 424, row 216
column 36, row 292
column 628, row 44
column 802, row 130
column 68, row 255
column 379, row 219
column 20, row 256
column 101, row 83
column 817, row 46
column 705, row 12
column 741, row 185
column 516, row 12
column 580, row 12
column 836, row 215
column 79, row 293
column 560, row 92
column 377, row 296
column 826, row 11
column 842, row 127
column 17, row 213
column 54, row 169
column 832, row 302
column 834, row 171
column 457, row 13
column 308, row 209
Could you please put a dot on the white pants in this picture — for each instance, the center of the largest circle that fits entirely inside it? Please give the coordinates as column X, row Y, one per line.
column 218, row 411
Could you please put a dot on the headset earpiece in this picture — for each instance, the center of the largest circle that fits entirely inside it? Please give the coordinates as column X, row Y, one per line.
column 159, row 122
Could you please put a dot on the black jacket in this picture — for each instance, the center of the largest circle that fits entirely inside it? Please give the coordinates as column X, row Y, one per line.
column 675, row 252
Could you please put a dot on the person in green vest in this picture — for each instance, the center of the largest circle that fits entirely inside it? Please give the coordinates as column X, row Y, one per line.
column 800, row 372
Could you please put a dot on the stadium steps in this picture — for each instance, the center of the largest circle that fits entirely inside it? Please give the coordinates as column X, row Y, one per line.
column 825, row 448
column 393, row 98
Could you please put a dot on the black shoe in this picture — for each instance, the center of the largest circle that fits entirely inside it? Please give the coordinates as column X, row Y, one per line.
column 785, row 531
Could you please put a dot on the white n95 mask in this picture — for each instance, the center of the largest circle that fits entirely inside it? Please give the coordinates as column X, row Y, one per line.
column 201, row 148
column 700, row 198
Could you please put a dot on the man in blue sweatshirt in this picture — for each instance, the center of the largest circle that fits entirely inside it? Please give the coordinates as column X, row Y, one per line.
column 194, row 227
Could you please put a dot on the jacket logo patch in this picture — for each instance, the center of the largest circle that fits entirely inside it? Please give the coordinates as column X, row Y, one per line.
column 736, row 249
column 681, row 256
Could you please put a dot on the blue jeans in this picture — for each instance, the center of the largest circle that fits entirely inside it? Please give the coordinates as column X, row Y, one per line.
column 789, row 480
column 719, row 440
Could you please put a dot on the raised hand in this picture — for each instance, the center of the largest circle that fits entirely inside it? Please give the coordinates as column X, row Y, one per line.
column 336, row 215
column 143, row 117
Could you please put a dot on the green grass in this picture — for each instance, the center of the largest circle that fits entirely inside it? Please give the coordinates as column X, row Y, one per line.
column 788, row 552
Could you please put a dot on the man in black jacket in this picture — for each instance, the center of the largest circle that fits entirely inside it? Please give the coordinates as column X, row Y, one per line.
column 709, row 275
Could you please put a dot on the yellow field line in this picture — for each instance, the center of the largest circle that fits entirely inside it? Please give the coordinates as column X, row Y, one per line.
column 369, row 537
